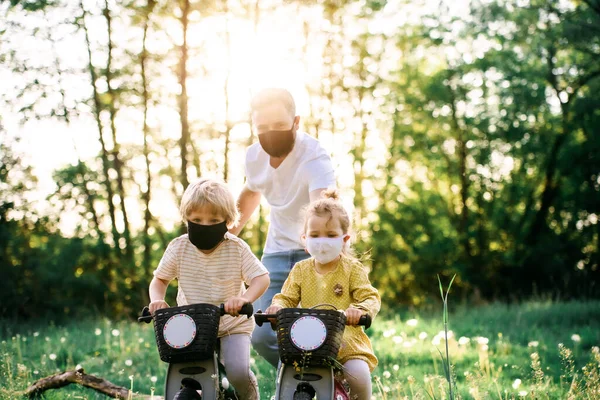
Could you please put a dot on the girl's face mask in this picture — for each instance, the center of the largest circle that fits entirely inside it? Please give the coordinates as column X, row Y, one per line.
column 325, row 249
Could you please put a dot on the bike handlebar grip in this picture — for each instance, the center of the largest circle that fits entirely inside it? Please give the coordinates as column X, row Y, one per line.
column 246, row 309
column 146, row 316
column 261, row 318
column 365, row 320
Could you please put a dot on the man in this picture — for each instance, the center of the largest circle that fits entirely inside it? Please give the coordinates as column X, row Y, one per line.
column 289, row 168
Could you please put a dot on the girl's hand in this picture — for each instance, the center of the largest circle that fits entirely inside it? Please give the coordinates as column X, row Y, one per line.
column 353, row 315
column 234, row 305
column 273, row 309
column 157, row 305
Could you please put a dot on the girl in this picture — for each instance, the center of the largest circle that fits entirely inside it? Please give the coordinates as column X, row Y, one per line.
column 211, row 266
column 333, row 276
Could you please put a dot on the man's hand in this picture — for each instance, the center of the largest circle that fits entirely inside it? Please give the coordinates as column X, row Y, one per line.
column 234, row 305
column 157, row 305
column 353, row 315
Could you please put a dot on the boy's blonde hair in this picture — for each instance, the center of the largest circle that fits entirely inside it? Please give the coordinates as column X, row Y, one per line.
column 213, row 193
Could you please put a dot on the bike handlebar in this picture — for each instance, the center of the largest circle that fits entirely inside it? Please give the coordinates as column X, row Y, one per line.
column 246, row 310
column 260, row 318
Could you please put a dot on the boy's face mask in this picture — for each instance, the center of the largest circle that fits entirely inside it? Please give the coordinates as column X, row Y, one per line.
column 324, row 249
column 278, row 143
column 206, row 237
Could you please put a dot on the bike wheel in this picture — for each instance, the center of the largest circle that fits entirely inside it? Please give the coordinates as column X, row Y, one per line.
column 302, row 396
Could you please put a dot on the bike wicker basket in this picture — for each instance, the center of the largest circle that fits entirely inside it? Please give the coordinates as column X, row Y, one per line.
column 335, row 322
column 206, row 317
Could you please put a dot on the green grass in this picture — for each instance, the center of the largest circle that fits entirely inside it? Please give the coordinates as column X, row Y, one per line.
column 492, row 349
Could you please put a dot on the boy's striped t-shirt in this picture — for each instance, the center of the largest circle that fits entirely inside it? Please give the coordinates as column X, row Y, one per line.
column 212, row 278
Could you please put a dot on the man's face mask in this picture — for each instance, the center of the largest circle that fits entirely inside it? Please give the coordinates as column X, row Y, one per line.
column 206, row 237
column 278, row 143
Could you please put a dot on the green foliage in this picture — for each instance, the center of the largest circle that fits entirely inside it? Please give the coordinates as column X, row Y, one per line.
column 491, row 348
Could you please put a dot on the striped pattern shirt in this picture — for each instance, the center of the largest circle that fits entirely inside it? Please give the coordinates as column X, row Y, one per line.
column 212, row 278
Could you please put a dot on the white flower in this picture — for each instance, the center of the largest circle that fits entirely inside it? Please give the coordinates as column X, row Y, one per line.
column 97, row 331
column 63, row 339
column 516, row 383
column 389, row 332
column 463, row 340
column 412, row 322
column 533, row 343
column 129, row 363
column 386, row 374
column 396, row 367
column 153, row 379
column 523, row 393
column 576, row 338
column 482, row 340
column 36, row 334
column 423, row 335
column 52, row 356
column 141, row 340
column 115, row 332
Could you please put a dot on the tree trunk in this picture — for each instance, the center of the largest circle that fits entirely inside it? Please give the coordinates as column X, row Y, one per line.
column 147, row 195
column 97, row 111
column 117, row 163
column 183, row 97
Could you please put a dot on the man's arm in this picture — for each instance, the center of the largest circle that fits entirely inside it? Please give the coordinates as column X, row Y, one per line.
column 247, row 203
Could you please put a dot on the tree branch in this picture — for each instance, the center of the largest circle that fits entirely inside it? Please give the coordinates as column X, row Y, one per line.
column 63, row 379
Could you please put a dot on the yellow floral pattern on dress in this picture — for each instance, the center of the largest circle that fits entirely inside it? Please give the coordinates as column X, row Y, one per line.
column 347, row 285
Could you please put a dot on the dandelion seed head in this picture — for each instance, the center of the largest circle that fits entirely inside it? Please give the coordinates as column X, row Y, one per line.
column 482, row 340
column 115, row 332
column 533, row 343
column 153, row 379
column 389, row 332
column 463, row 340
column 141, row 340
column 129, row 363
column 395, row 367
column 423, row 335
column 523, row 393
column 516, row 384
column 576, row 338
column 63, row 339
column 387, row 374
column 52, row 356
column 36, row 334
column 98, row 331
column 397, row 339
column 412, row 322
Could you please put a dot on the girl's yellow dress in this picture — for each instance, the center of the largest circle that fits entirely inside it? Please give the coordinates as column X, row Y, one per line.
column 346, row 285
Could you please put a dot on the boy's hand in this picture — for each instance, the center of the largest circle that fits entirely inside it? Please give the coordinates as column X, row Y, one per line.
column 234, row 305
column 157, row 305
column 353, row 315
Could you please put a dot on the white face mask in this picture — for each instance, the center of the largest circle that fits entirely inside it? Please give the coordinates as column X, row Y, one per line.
column 325, row 250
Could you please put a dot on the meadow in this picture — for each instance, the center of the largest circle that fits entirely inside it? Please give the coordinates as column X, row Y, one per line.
column 535, row 350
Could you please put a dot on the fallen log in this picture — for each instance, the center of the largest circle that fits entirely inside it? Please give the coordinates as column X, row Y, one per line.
column 78, row 376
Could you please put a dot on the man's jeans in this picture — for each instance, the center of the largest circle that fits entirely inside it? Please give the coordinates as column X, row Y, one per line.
column 279, row 265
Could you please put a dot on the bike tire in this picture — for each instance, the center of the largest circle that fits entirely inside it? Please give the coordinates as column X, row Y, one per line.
column 302, row 396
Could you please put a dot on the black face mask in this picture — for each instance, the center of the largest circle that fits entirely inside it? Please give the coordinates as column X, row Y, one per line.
column 278, row 143
column 206, row 237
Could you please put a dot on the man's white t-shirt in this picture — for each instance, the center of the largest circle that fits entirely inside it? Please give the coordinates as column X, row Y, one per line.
column 306, row 168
